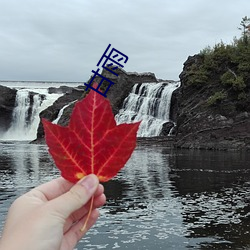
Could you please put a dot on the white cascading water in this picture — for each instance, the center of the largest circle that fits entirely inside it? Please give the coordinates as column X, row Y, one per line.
column 149, row 103
column 25, row 122
column 61, row 112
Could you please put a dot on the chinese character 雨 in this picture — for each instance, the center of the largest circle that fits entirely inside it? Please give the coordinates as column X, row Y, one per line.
column 114, row 57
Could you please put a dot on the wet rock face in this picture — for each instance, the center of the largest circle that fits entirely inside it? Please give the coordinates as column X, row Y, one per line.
column 202, row 126
column 7, row 104
column 166, row 128
column 121, row 88
column 123, row 84
column 52, row 112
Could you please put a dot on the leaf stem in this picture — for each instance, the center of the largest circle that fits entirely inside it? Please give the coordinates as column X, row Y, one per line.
column 84, row 228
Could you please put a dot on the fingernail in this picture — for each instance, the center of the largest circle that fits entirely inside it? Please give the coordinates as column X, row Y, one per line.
column 89, row 182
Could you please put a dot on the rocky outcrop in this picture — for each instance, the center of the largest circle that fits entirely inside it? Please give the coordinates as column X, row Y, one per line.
column 202, row 124
column 7, row 104
column 52, row 112
column 166, row 128
column 123, row 84
column 64, row 89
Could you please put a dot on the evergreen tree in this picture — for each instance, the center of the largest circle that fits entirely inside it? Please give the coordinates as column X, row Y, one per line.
column 245, row 28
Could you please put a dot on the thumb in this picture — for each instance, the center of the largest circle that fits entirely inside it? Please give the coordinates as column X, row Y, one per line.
column 76, row 197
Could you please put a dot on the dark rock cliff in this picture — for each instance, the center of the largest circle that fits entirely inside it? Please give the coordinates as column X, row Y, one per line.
column 123, row 84
column 52, row 112
column 206, row 119
column 7, row 104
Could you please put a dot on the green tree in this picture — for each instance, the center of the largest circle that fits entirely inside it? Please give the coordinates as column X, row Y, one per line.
column 245, row 28
column 216, row 98
column 225, row 69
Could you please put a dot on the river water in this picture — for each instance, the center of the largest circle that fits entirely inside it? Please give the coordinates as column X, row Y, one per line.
column 162, row 199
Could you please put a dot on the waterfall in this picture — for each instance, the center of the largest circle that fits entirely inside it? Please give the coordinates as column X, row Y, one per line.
column 25, row 117
column 149, row 103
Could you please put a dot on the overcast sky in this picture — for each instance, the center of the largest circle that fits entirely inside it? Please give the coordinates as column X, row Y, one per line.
column 63, row 40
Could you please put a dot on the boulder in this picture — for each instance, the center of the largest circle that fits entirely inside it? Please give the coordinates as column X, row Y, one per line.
column 7, row 104
column 64, row 89
column 166, row 128
column 52, row 112
column 123, row 84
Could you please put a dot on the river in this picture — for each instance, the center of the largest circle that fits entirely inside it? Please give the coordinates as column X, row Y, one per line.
column 162, row 199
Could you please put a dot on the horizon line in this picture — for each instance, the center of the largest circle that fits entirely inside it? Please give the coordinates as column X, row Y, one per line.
column 41, row 81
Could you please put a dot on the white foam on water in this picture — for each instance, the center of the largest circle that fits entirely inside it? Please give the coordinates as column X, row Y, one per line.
column 149, row 103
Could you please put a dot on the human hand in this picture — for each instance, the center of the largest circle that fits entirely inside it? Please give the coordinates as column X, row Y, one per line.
column 50, row 216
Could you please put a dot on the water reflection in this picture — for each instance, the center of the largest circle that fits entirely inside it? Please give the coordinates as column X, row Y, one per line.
column 160, row 200
column 26, row 164
column 22, row 167
column 142, row 209
column 214, row 187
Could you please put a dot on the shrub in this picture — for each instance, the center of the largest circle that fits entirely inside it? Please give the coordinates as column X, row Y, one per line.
column 234, row 81
column 239, row 84
column 216, row 98
column 227, row 78
column 242, row 96
column 244, row 68
column 206, row 51
column 197, row 75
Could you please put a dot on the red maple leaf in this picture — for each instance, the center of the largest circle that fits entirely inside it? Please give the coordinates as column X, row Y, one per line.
column 92, row 142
